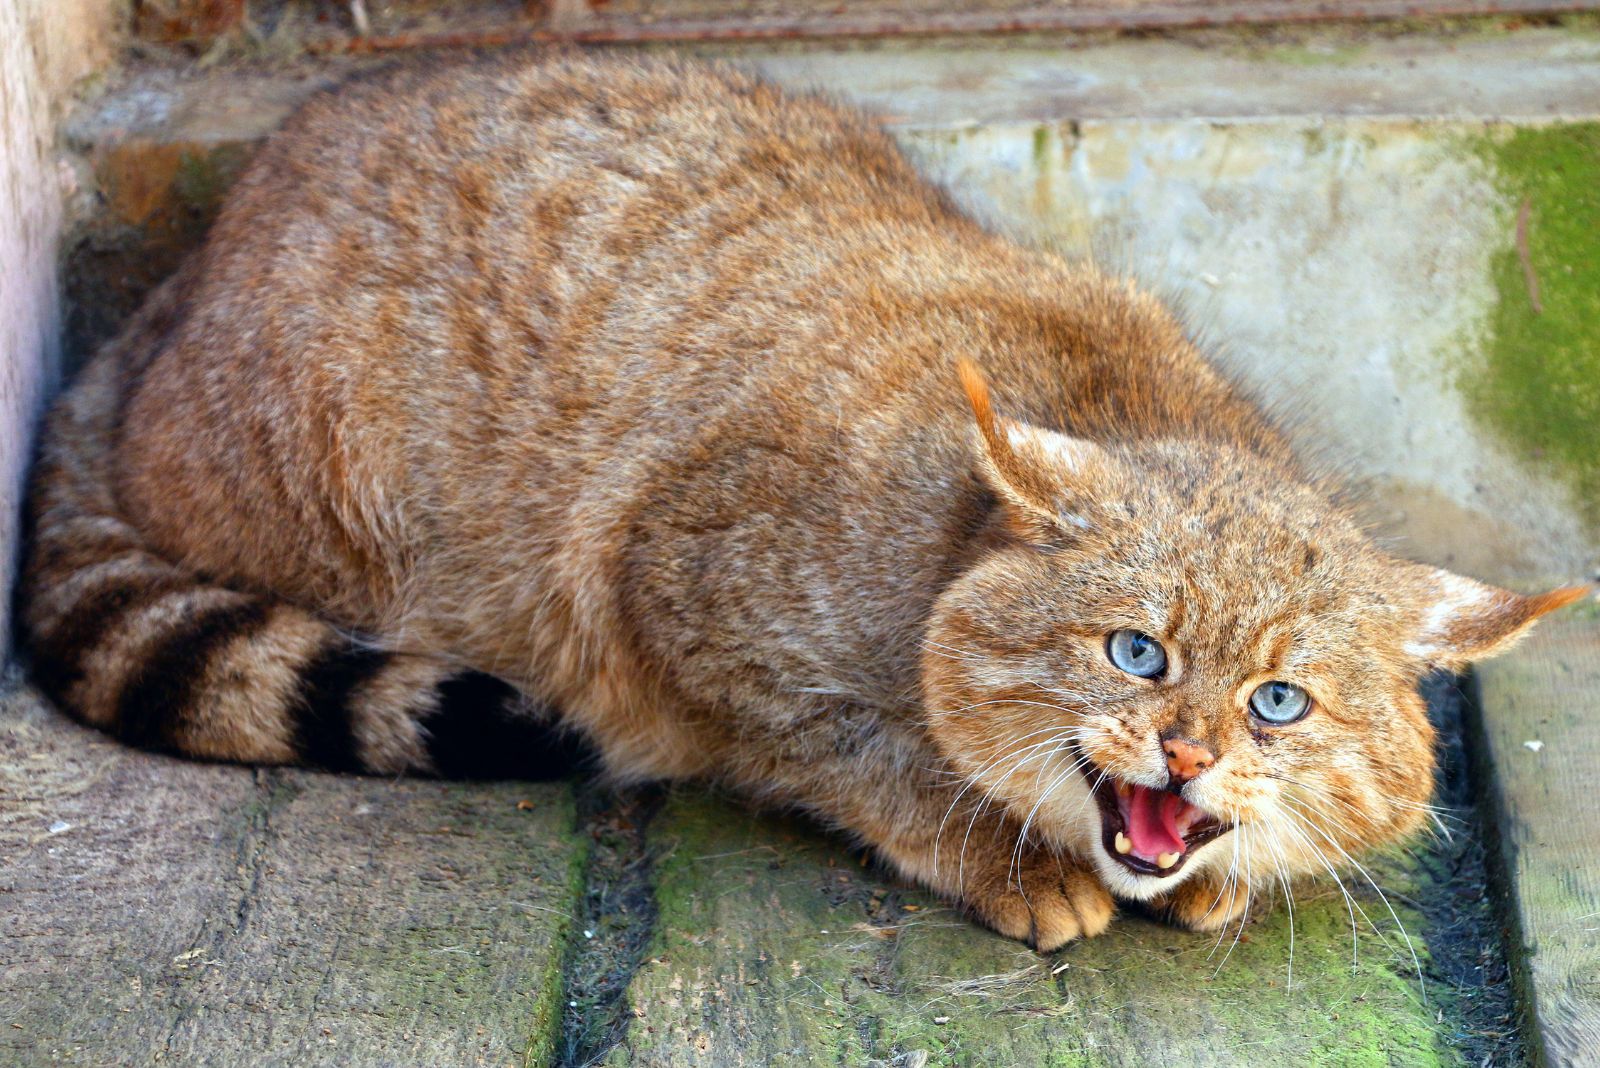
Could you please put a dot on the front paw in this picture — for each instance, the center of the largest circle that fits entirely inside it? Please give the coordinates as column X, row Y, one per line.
column 1204, row 903
column 1057, row 902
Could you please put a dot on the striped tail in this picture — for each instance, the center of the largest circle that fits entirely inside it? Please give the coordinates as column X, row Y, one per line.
column 128, row 642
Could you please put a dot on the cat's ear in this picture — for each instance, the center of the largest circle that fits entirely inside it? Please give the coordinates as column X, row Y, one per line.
column 1036, row 473
column 1462, row 620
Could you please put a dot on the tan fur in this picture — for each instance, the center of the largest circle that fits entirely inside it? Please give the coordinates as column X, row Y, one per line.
column 632, row 384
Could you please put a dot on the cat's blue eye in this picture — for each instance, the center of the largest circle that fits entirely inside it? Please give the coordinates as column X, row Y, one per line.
column 1279, row 702
column 1137, row 654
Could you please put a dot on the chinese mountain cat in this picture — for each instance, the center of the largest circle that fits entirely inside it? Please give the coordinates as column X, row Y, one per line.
column 530, row 399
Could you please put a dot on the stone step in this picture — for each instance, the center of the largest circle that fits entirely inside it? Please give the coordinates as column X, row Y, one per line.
column 165, row 910
column 1541, row 735
column 159, row 910
column 777, row 947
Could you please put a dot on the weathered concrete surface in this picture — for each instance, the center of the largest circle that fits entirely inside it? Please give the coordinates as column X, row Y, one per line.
column 1534, row 384
column 161, row 910
column 1542, row 734
column 1532, row 75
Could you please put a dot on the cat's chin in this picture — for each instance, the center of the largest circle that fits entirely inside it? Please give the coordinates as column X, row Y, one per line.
column 1131, row 886
column 1150, row 838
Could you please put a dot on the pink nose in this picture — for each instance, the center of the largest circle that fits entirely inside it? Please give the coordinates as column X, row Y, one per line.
column 1185, row 759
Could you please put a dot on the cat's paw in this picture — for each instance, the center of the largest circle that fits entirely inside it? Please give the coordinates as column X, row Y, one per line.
column 1203, row 904
column 1057, row 903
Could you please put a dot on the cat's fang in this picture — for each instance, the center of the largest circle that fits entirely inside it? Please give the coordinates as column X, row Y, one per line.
column 1150, row 830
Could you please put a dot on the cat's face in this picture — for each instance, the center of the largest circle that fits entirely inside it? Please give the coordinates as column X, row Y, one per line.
column 1184, row 659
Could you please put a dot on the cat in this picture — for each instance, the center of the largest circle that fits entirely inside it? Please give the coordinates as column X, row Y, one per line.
column 521, row 400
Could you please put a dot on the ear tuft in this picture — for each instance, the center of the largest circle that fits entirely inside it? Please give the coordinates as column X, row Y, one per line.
column 1034, row 471
column 1014, row 478
column 1463, row 620
column 977, row 388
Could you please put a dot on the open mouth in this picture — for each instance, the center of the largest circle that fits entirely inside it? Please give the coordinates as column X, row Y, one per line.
column 1151, row 831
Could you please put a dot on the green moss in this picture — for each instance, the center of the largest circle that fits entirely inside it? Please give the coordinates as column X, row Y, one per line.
column 778, row 939
column 1537, row 384
column 526, row 870
column 445, row 963
column 1323, row 55
column 1041, row 146
column 206, row 174
column 1586, row 23
column 1589, row 610
column 549, row 987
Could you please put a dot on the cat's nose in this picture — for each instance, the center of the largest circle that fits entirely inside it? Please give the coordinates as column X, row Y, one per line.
column 1186, row 759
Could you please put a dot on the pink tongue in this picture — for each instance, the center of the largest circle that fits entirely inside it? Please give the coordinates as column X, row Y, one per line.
column 1153, row 823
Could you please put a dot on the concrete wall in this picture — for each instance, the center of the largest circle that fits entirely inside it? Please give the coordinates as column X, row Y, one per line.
column 46, row 47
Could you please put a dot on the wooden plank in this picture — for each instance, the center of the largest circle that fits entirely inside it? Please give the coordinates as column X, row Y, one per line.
column 776, row 947
column 155, row 909
column 1541, row 729
column 496, row 22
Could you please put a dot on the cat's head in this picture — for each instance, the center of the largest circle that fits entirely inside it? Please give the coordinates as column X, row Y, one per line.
column 1182, row 657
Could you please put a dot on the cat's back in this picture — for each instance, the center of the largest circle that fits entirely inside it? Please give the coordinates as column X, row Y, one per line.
column 473, row 259
column 500, row 168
